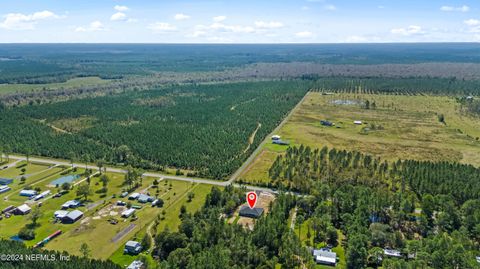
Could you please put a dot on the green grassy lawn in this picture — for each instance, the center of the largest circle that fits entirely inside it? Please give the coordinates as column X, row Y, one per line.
column 11, row 226
column 337, row 249
column 15, row 172
column 71, row 83
column 410, row 129
column 172, row 220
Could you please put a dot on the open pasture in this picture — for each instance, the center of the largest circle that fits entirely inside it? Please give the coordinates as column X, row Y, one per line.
column 393, row 127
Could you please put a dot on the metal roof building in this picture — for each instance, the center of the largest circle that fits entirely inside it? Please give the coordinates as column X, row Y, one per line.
column 248, row 212
column 326, row 257
column 6, row 181
column 23, row 210
column 72, row 216
column 28, row 193
column 132, row 247
column 4, row 189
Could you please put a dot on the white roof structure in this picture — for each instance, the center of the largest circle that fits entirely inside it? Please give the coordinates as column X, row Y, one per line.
column 28, row 192
column 134, row 196
column 4, row 188
column 358, row 122
column 135, row 265
column 276, row 137
column 60, row 214
column 392, row 253
column 71, row 203
column 325, row 257
column 127, row 213
column 24, row 208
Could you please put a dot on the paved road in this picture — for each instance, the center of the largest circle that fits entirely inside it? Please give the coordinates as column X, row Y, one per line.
column 148, row 174
column 266, row 140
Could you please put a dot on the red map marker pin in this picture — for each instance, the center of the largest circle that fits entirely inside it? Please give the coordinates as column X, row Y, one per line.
column 251, row 199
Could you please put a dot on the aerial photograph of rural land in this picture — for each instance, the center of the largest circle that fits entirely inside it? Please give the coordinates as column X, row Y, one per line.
column 211, row 134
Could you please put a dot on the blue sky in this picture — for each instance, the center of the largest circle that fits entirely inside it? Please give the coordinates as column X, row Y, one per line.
column 245, row 21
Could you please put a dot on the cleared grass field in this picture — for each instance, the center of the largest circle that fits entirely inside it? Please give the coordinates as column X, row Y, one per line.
column 95, row 230
column 405, row 127
column 71, row 83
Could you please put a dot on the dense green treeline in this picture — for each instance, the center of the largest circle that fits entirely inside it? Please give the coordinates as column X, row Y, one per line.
column 48, row 259
column 430, row 212
column 408, row 86
column 206, row 240
column 204, row 128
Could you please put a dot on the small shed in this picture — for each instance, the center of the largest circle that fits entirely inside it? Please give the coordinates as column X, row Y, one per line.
column 6, row 181
column 127, row 213
column 73, row 216
column 325, row 257
column 22, row 210
column 276, row 137
column 326, row 123
column 28, row 193
column 254, row 213
column 357, row 122
column 4, row 189
column 132, row 247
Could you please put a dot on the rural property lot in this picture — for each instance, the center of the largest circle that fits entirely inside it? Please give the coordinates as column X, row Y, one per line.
column 405, row 127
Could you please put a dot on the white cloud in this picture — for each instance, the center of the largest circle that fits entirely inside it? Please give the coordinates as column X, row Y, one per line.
column 410, row 30
column 463, row 8
column 472, row 22
column 304, row 34
column 330, row 7
column 219, row 18
column 162, row 27
column 231, row 28
column 120, row 8
column 119, row 16
column 474, row 25
column 93, row 27
column 181, row 17
column 316, row 1
column 19, row 21
column 268, row 25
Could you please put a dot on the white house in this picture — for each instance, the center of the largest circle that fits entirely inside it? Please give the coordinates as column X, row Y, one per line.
column 325, row 257
column 392, row 253
column 357, row 122
column 276, row 137
column 127, row 213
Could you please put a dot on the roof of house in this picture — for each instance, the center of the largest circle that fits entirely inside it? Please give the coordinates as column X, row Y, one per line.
column 24, row 208
column 60, row 214
column 132, row 244
column 28, row 192
column 251, row 212
column 392, row 252
column 134, row 195
column 144, row 198
column 4, row 187
column 5, row 181
column 71, row 203
column 325, row 256
column 75, row 214
column 128, row 212
column 135, row 265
